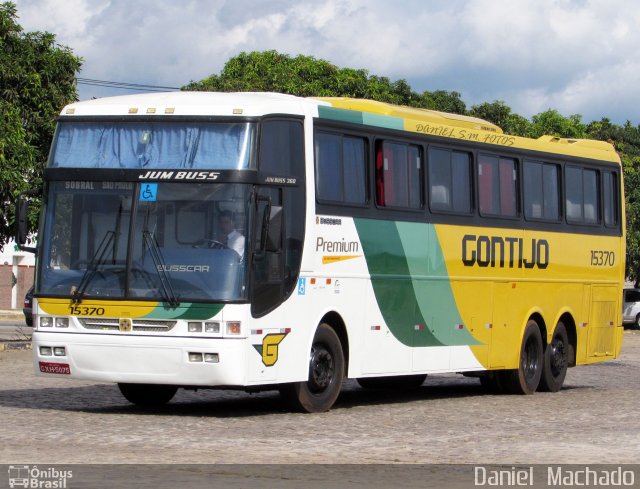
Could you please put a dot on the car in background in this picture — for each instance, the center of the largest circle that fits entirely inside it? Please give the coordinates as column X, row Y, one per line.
column 631, row 307
column 27, row 309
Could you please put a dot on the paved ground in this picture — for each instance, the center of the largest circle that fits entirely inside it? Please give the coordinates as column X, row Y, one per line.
column 448, row 420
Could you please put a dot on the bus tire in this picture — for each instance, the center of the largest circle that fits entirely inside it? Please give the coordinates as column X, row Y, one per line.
column 394, row 382
column 326, row 371
column 148, row 394
column 526, row 378
column 556, row 360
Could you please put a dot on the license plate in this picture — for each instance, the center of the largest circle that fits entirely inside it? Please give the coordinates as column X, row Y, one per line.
column 55, row 368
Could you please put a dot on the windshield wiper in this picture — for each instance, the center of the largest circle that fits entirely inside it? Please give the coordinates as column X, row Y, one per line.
column 158, row 261
column 97, row 260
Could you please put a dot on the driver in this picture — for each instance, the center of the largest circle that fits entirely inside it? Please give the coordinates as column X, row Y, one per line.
column 231, row 238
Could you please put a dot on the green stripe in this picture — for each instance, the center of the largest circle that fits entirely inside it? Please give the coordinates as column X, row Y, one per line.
column 431, row 283
column 342, row 115
column 357, row 117
column 411, row 283
column 386, row 121
column 186, row 310
column 390, row 278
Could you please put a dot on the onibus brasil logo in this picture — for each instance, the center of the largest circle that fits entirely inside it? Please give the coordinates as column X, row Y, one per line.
column 34, row 477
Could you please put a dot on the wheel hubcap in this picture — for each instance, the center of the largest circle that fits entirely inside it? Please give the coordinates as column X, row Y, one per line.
column 321, row 369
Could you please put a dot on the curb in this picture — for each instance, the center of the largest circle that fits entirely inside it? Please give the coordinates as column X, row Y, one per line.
column 11, row 316
column 15, row 345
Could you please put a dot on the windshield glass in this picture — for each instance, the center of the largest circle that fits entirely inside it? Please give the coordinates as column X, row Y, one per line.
column 139, row 145
column 159, row 241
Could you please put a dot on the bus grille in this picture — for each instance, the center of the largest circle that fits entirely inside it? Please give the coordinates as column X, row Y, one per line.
column 109, row 324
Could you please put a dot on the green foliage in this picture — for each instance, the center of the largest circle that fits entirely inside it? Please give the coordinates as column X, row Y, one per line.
column 551, row 123
column 306, row 76
column 37, row 79
column 443, row 101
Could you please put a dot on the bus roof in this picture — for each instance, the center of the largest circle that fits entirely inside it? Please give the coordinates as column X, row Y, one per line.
column 194, row 104
column 360, row 111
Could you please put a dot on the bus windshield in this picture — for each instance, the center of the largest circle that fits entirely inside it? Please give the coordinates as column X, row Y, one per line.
column 139, row 145
column 170, row 242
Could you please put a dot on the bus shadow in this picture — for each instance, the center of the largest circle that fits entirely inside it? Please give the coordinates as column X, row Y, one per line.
column 106, row 399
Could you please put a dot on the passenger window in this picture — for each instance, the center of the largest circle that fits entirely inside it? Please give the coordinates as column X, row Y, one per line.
column 497, row 185
column 541, row 191
column 610, row 198
column 449, row 181
column 340, row 168
column 398, row 175
column 582, row 196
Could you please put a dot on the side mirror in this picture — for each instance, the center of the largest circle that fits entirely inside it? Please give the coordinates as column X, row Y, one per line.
column 22, row 220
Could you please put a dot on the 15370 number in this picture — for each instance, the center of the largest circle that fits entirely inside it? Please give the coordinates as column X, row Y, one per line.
column 602, row 258
column 86, row 311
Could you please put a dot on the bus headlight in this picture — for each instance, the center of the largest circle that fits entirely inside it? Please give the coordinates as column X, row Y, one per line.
column 62, row 322
column 194, row 327
column 212, row 327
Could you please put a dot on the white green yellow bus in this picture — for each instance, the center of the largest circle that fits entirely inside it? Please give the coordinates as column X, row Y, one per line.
column 265, row 241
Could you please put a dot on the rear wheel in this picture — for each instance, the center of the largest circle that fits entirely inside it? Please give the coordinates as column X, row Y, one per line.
column 148, row 394
column 397, row 382
column 326, row 371
column 525, row 379
column 556, row 360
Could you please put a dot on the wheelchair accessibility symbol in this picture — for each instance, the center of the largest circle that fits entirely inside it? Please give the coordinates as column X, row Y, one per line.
column 149, row 192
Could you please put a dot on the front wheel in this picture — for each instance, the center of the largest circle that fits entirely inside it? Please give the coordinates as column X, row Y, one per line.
column 525, row 379
column 556, row 360
column 148, row 394
column 326, row 371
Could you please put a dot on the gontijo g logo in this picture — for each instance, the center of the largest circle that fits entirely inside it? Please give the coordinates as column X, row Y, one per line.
column 269, row 348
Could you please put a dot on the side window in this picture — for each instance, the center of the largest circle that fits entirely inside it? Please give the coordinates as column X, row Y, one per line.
column 340, row 168
column 497, row 186
column 541, row 188
column 282, row 148
column 610, row 198
column 398, row 175
column 582, row 196
column 449, row 181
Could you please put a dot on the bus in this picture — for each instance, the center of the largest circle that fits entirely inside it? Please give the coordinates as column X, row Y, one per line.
column 265, row 241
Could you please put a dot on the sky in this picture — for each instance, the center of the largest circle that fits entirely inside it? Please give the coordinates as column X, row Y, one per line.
column 575, row 56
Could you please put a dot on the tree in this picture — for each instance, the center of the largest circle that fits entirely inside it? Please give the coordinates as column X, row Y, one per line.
column 443, row 101
column 500, row 114
column 552, row 123
column 37, row 79
column 304, row 76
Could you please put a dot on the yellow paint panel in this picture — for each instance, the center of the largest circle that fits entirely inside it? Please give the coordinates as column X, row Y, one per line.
column 501, row 277
column 65, row 307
